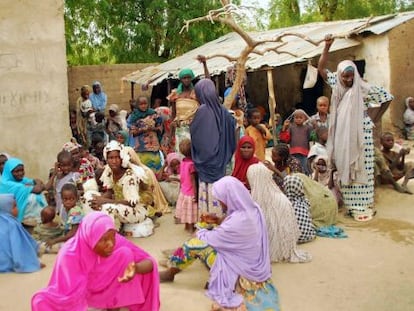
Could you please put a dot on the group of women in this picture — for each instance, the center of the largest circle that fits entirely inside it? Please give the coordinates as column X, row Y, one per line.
column 99, row 268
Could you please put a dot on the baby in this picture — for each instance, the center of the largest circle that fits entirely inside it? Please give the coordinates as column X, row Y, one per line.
column 46, row 230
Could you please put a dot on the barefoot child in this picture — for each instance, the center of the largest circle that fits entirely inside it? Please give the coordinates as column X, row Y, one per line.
column 74, row 211
column 396, row 160
column 48, row 229
column 186, row 209
column 258, row 132
column 169, row 179
column 298, row 136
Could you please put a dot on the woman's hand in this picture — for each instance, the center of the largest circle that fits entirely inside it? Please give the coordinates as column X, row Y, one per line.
column 97, row 201
column 328, row 40
column 269, row 166
column 50, row 243
column 129, row 273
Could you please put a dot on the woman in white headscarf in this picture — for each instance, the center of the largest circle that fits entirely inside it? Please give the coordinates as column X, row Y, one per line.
column 350, row 137
column 282, row 228
column 121, row 199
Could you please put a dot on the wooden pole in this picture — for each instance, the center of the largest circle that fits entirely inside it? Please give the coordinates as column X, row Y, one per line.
column 272, row 103
column 132, row 90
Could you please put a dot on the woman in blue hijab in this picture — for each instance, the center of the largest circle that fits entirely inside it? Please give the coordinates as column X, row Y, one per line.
column 213, row 140
column 27, row 192
column 18, row 250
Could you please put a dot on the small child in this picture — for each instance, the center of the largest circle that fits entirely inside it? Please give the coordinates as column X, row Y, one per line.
column 48, row 229
column 326, row 177
column 170, row 178
column 319, row 147
column 409, row 118
column 298, row 136
column 258, row 132
column 396, row 160
column 186, row 209
column 74, row 211
column 61, row 175
column 321, row 118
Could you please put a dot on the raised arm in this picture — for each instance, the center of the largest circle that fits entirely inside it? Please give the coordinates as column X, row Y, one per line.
column 324, row 56
column 202, row 59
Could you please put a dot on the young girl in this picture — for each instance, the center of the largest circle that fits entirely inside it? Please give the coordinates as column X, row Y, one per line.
column 69, row 195
column 298, row 136
column 258, row 132
column 186, row 209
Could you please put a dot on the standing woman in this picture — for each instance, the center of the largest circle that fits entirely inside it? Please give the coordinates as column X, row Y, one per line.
column 146, row 127
column 98, row 97
column 350, row 138
column 213, row 139
column 184, row 105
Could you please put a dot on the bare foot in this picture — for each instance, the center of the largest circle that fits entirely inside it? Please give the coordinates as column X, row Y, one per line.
column 166, row 276
column 42, row 265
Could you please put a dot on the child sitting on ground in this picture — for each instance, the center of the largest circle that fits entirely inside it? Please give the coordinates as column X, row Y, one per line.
column 298, row 136
column 187, row 210
column 396, row 160
column 170, row 178
column 74, row 211
column 48, row 229
column 326, row 177
column 258, row 132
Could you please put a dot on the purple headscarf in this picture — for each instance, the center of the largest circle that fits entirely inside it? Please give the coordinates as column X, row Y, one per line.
column 213, row 135
column 241, row 243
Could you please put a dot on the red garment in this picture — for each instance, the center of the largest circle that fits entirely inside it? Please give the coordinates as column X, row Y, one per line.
column 241, row 165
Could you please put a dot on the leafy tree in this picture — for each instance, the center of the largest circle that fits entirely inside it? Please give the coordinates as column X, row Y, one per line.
column 122, row 31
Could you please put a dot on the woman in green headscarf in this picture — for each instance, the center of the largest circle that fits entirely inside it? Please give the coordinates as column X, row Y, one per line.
column 184, row 105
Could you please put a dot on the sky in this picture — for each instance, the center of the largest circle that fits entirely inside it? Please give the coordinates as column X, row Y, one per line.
column 262, row 3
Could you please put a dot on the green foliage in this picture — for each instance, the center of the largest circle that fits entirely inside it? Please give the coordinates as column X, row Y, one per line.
column 125, row 31
column 293, row 12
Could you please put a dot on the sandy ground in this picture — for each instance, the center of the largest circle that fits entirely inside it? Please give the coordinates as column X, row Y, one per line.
column 372, row 269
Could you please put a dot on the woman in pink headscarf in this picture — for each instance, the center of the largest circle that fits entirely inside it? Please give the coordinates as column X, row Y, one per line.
column 99, row 268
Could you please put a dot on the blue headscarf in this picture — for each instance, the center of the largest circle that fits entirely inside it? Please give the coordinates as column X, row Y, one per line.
column 20, row 189
column 18, row 250
column 98, row 100
column 213, row 135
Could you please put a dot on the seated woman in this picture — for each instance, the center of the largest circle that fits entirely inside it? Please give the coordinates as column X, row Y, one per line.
column 279, row 214
column 121, row 199
column 295, row 192
column 18, row 250
column 236, row 252
column 151, row 188
column 145, row 128
column 27, row 192
column 106, row 271
column 323, row 204
column 244, row 157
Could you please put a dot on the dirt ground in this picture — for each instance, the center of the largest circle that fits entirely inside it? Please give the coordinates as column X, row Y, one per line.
column 372, row 269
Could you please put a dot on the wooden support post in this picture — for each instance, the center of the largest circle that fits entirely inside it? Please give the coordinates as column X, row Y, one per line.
column 272, row 104
column 132, row 90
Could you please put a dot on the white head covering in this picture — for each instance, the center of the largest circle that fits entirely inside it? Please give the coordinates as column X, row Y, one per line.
column 113, row 145
column 346, row 133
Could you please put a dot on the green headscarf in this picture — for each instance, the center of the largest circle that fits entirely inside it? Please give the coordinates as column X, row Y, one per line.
column 184, row 73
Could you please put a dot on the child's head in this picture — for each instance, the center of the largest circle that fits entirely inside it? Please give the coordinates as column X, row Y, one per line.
column 85, row 92
column 280, row 153
column 387, row 140
column 185, row 147
column 299, row 117
column 47, row 214
column 322, row 104
column 321, row 165
column 65, row 162
column 254, row 116
column 322, row 133
column 84, row 151
column 278, row 119
column 99, row 117
column 69, row 194
column 409, row 102
column 142, row 103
